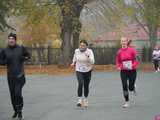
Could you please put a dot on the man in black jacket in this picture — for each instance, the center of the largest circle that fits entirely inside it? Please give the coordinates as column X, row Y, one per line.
column 13, row 56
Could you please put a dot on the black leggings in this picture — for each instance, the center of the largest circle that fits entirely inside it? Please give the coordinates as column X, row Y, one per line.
column 156, row 64
column 83, row 82
column 15, row 88
column 128, row 82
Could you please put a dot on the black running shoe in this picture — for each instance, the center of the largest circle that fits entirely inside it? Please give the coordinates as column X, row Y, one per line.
column 15, row 115
column 20, row 117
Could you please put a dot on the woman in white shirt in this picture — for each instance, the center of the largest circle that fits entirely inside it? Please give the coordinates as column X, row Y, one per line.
column 156, row 58
column 83, row 61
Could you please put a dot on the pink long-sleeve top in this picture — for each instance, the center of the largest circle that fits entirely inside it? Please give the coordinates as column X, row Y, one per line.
column 126, row 55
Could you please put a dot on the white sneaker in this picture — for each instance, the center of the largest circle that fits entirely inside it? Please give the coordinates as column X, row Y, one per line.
column 158, row 69
column 126, row 105
column 80, row 102
column 85, row 103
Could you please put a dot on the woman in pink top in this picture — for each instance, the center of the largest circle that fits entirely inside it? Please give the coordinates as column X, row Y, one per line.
column 126, row 62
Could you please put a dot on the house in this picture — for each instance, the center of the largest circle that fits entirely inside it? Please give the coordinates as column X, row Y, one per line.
column 133, row 31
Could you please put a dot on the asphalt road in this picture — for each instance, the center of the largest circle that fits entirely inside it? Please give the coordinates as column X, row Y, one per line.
column 49, row 97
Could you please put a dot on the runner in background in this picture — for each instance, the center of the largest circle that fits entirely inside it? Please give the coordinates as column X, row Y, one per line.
column 156, row 58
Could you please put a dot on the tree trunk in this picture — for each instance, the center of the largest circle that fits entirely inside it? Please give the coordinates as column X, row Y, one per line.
column 75, row 40
column 78, row 26
column 69, row 29
column 66, row 49
column 66, row 34
column 152, row 36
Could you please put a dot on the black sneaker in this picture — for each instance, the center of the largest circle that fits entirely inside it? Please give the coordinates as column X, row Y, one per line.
column 20, row 117
column 15, row 115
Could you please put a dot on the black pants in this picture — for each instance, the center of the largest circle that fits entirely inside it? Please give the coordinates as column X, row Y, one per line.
column 156, row 64
column 83, row 82
column 15, row 88
column 128, row 82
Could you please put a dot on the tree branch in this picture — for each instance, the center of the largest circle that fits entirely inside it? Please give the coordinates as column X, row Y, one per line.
column 141, row 24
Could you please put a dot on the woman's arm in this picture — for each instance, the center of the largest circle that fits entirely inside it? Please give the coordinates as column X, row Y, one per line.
column 91, row 57
column 74, row 59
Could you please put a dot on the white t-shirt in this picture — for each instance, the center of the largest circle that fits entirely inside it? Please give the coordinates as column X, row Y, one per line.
column 156, row 54
column 83, row 60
